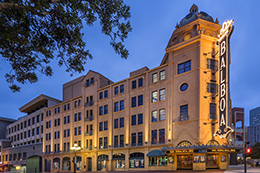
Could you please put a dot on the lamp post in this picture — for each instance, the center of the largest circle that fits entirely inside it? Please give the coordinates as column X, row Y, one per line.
column 75, row 148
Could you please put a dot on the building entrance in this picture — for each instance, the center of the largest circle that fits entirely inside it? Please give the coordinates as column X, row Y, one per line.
column 212, row 161
column 184, row 162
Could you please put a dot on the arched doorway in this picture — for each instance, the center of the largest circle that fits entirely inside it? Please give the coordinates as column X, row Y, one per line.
column 102, row 162
column 136, row 160
column 66, row 164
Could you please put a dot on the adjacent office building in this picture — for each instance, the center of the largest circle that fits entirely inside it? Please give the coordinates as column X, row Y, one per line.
column 24, row 152
column 253, row 134
column 157, row 119
column 255, row 117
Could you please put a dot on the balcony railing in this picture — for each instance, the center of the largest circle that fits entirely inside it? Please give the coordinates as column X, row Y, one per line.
column 90, row 118
column 90, row 103
column 89, row 133
column 183, row 118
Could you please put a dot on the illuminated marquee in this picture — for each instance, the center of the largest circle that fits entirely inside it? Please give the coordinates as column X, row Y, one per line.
column 224, row 62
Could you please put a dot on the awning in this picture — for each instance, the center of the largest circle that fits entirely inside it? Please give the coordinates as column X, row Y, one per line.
column 4, row 165
column 155, row 153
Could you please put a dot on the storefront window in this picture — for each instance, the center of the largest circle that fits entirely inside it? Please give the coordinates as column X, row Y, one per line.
column 66, row 164
column 212, row 161
column 171, row 159
column 119, row 160
column 136, row 160
column 120, row 163
column 162, row 161
column 152, row 161
column 56, row 163
column 78, row 163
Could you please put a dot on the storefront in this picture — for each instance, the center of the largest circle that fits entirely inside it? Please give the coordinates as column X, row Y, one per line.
column 136, row 160
column 119, row 161
column 102, row 162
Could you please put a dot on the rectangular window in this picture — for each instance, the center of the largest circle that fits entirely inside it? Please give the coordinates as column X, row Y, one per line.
column 161, row 136
column 154, row 116
column 101, row 126
column 133, row 103
column 68, row 106
column 122, row 105
column 162, row 94
column 101, row 95
column 140, row 138
column 184, row 67
column 75, row 117
column 162, row 114
column 37, row 119
column 133, row 137
column 79, row 117
column 212, row 64
column 65, row 120
column 100, row 143
column 105, row 125
column 140, row 119
column 134, row 84
column 92, row 80
column 122, row 89
column 162, row 75
column 140, row 82
column 212, row 88
column 105, row 94
column 115, row 141
column 75, row 131
column 184, row 113
column 140, row 100
column 133, row 120
column 122, row 122
column 79, row 131
column 213, row 111
column 105, row 142
column 65, row 107
column 116, row 107
column 68, row 119
column 101, row 110
column 68, row 131
column 121, row 140
column 106, row 109
column 116, row 90
column 154, row 96
column 154, row 136
column 65, row 133
column 154, row 77
column 115, row 123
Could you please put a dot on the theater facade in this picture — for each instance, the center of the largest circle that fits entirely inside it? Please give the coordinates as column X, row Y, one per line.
column 172, row 117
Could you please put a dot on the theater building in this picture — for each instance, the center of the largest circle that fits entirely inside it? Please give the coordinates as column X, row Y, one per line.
column 163, row 118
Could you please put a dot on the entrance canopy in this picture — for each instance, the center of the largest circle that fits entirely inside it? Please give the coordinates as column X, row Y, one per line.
column 155, row 153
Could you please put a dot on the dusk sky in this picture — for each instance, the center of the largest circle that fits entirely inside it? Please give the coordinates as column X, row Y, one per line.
column 153, row 23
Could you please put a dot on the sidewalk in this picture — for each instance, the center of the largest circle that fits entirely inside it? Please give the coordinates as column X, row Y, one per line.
column 240, row 168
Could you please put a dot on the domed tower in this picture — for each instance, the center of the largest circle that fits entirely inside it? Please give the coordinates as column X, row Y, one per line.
column 193, row 54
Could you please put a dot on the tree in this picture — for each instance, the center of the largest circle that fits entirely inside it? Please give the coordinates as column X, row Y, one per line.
column 33, row 32
column 255, row 152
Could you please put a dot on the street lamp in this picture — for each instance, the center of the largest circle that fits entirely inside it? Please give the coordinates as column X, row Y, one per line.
column 75, row 148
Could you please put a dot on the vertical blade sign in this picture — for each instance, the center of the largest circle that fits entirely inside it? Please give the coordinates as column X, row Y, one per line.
column 224, row 89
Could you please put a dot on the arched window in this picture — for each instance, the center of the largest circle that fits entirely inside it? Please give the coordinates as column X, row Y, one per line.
column 56, row 163
column 136, row 160
column 212, row 142
column 184, row 144
column 66, row 164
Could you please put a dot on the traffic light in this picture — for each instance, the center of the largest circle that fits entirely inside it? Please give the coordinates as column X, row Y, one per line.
column 248, row 150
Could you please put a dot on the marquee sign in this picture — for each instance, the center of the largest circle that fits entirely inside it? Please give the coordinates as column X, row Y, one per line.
column 224, row 62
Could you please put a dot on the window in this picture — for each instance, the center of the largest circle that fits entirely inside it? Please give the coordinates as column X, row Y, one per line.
column 212, row 64
column 65, row 107
column 101, row 95
column 92, row 80
column 29, row 123
column 79, row 117
column 140, row 138
column 116, row 141
column 100, row 143
column 122, row 88
column 75, row 131
column 68, row 119
column 122, row 105
column 184, row 113
column 154, row 96
column 154, row 136
column 140, row 100
column 134, row 84
column 162, row 75
column 213, row 111
column 133, row 137
column 115, row 123
column 184, row 87
column 116, row 107
column 105, row 94
column 100, row 126
column 162, row 94
column 106, row 109
column 162, row 114
column 184, row 67
column 105, row 142
column 79, row 131
column 38, row 120
column 75, row 117
column 121, row 140
column 116, row 90
column 37, row 132
column 161, row 136
column 68, row 106
column 140, row 119
column 155, row 77
column 65, row 120
column 65, row 133
column 122, row 122
column 133, row 103
column 140, row 82
column 101, row 110
column 152, row 161
column 212, row 88
column 68, row 132
column 133, row 120
column 154, row 116
column 105, row 125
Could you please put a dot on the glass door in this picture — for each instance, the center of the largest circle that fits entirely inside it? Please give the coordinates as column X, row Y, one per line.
column 184, row 162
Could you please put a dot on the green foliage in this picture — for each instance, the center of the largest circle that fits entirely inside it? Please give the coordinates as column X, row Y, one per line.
column 33, row 32
column 255, row 153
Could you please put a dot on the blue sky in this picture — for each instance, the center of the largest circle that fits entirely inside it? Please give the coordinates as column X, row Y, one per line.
column 153, row 22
